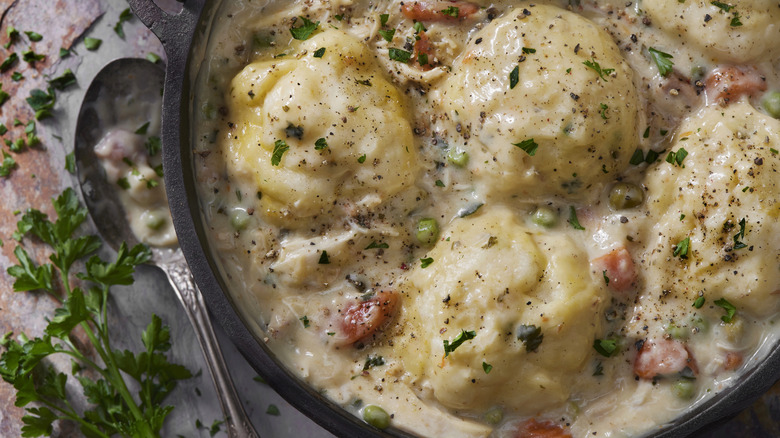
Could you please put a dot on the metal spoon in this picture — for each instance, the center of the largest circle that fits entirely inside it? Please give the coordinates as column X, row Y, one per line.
column 120, row 84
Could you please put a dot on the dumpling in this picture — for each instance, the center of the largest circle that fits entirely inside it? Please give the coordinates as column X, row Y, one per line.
column 494, row 277
column 739, row 32
column 728, row 188
column 316, row 129
column 544, row 103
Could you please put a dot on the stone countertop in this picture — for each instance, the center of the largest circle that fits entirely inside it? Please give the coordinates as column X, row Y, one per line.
column 41, row 175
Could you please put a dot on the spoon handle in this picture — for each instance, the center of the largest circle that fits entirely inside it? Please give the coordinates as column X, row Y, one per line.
column 236, row 421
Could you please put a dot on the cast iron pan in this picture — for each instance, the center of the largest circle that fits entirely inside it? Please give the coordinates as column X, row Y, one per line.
column 183, row 36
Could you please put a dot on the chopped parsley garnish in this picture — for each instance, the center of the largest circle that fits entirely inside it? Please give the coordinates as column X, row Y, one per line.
column 153, row 146
column 305, row 320
column 486, row 367
column 374, row 245
column 606, row 278
column 439, row 183
column 7, row 165
column 728, row 307
column 677, row 157
column 9, row 62
column 4, row 97
column 125, row 15
column 451, row 11
column 64, row 53
column 280, row 147
column 528, row 145
column 3, row 129
column 319, row 53
column 651, row 156
column 422, row 58
column 42, row 102
column 602, row 72
column 738, row 244
column 575, row 223
column 662, row 61
column 514, row 77
column 13, row 34
column 387, row 34
column 153, row 57
column 605, row 347
column 66, row 79
column 418, row 27
column 373, row 361
column 92, row 43
column 324, row 259
column 272, row 410
column 304, row 31
column 33, row 36
column 725, row 7
column 638, row 158
column 142, row 129
column 681, row 249
column 603, row 111
column 320, row 144
column 293, row 131
column 30, row 56
column 464, row 336
column 362, row 159
column 383, row 19
column 698, row 302
column 531, row 336
column 528, row 50
column 399, row 55
column 123, row 183
column 735, row 22
column 425, row 262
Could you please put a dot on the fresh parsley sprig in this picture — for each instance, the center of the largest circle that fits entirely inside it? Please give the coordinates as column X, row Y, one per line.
column 114, row 409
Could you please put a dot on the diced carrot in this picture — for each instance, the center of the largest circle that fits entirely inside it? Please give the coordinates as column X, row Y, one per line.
column 729, row 83
column 362, row 318
column 663, row 356
column 619, row 267
column 423, row 46
column 436, row 10
column 541, row 429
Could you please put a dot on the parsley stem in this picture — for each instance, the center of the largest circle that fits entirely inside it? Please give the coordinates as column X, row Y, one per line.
column 71, row 415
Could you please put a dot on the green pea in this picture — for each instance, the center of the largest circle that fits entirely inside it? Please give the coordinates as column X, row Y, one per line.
column 625, row 195
column 677, row 332
column 427, row 231
column 494, row 415
column 154, row 220
column 458, row 157
column 684, row 389
column 376, row 416
column 771, row 103
column 545, row 216
column 239, row 218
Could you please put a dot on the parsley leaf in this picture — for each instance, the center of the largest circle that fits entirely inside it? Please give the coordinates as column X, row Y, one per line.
column 602, row 72
column 514, row 77
column 92, row 43
column 738, row 244
column 374, row 245
column 373, row 361
column 153, row 146
column 458, row 341
column 573, row 220
column 638, row 158
column 320, row 144
column 324, row 259
column 33, row 36
column 735, row 22
column 528, row 145
column 387, row 34
column 66, row 79
column 662, row 61
column 698, row 302
column 425, row 262
column 677, row 157
column 304, row 31
column 383, row 19
column 9, row 62
column 486, row 367
column 319, row 53
column 42, row 102
column 399, row 55
column 681, row 249
column 305, row 320
column 451, row 11
column 531, row 336
column 728, row 307
column 280, row 147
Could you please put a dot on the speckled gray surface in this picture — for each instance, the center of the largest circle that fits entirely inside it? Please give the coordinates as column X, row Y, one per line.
column 131, row 308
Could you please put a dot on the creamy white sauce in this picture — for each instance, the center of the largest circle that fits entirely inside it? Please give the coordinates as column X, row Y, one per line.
column 315, row 169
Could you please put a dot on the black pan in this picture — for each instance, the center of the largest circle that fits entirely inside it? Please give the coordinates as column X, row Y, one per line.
column 184, row 36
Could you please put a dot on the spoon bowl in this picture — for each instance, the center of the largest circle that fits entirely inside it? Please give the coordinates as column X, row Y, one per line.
column 126, row 94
